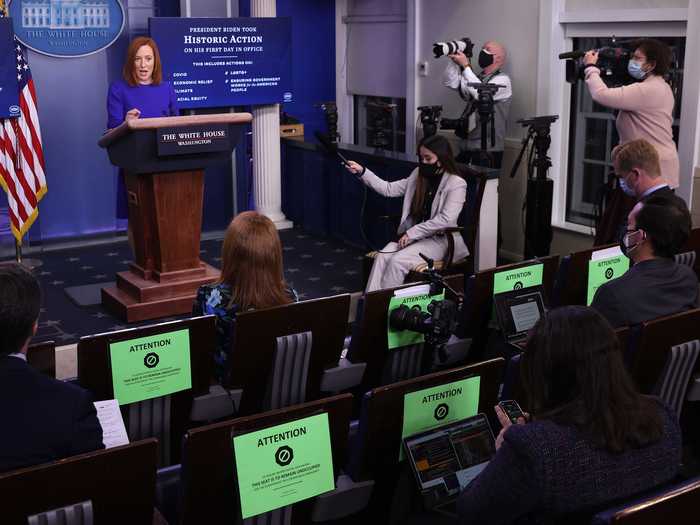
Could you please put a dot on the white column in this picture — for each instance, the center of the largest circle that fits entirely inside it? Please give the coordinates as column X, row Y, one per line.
column 267, row 185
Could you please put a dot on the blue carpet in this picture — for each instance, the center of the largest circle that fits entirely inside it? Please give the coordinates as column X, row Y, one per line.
column 314, row 267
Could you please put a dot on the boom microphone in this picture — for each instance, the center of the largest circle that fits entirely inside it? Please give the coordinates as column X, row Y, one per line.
column 571, row 54
column 329, row 147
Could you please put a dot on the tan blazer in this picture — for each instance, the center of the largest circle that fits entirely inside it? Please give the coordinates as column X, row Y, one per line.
column 447, row 205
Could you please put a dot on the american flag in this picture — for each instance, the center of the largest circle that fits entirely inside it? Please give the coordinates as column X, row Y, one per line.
column 21, row 154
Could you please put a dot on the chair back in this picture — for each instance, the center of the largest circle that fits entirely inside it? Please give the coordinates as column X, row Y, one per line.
column 571, row 286
column 675, row 378
column 369, row 339
column 470, row 216
column 151, row 418
column 671, row 504
column 78, row 514
column 403, row 363
column 164, row 417
column 42, row 356
column 288, row 377
column 478, row 299
column 690, row 253
column 119, row 482
column 281, row 516
column 686, row 258
column 255, row 343
column 376, row 455
column 665, row 355
column 208, row 484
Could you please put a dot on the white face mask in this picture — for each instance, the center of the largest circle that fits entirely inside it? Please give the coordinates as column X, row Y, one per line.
column 627, row 241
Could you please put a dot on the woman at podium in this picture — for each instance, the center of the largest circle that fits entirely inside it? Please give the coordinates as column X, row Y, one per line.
column 433, row 198
column 142, row 93
column 251, row 278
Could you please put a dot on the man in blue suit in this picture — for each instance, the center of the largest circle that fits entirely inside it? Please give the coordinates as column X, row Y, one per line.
column 42, row 419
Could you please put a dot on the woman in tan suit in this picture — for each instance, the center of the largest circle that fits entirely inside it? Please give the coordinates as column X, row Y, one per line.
column 433, row 197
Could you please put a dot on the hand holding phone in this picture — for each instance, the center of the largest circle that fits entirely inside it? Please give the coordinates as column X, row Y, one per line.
column 512, row 410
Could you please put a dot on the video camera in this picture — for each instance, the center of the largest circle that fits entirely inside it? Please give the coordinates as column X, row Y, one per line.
column 429, row 116
column 439, row 322
column 612, row 62
column 539, row 123
column 464, row 45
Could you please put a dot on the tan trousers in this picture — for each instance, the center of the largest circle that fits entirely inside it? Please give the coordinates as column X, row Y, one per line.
column 390, row 269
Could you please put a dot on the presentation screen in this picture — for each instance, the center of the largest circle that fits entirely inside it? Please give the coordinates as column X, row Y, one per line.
column 222, row 62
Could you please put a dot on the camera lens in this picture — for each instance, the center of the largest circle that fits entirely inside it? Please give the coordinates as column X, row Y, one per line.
column 405, row 318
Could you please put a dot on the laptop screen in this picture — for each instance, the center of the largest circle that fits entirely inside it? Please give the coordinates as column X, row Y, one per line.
column 518, row 311
column 452, row 455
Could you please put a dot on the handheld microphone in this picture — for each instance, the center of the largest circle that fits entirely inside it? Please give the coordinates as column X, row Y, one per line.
column 329, row 147
column 571, row 54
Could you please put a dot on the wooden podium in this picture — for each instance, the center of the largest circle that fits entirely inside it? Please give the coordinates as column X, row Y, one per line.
column 163, row 160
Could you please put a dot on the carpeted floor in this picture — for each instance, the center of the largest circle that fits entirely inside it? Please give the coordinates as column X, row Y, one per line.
column 314, row 267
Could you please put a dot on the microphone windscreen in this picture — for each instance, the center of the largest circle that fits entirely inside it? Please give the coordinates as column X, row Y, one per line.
column 326, row 143
column 571, row 54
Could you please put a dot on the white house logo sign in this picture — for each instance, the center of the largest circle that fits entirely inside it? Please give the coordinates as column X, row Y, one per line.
column 67, row 28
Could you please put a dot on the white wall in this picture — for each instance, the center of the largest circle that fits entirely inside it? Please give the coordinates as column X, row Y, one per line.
column 624, row 4
column 514, row 24
column 525, row 32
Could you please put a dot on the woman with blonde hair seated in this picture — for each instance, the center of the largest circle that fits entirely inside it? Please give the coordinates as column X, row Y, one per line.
column 251, row 278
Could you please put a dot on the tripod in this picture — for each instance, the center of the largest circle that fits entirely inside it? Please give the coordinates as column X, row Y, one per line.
column 538, row 202
column 484, row 107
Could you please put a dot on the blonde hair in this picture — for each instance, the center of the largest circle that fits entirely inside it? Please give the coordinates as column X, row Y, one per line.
column 251, row 262
column 637, row 154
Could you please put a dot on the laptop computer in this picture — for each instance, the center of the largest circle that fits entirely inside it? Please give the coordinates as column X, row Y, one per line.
column 517, row 312
column 446, row 459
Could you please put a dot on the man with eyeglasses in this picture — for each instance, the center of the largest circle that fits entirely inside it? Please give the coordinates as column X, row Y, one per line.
column 657, row 228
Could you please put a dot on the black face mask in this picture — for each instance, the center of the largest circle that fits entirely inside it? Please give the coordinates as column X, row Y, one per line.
column 485, row 59
column 428, row 170
column 623, row 248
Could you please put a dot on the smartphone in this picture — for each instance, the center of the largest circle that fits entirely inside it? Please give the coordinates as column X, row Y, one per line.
column 512, row 410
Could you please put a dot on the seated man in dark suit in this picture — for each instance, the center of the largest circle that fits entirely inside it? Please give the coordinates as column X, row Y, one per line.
column 42, row 419
column 655, row 285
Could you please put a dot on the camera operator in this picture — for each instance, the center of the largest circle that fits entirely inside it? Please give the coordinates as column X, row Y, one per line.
column 458, row 74
column 645, row 112
column 646, row 107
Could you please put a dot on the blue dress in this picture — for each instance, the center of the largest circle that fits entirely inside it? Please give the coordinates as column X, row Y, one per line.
column 151, row 100
column 214, row 299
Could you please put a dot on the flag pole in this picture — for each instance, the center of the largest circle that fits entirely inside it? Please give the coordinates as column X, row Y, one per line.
column 28, row 263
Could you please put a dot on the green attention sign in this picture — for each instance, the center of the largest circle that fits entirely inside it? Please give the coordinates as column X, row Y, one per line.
column 283, row 464
column 517, row 279
column 399, row 338
column 439, row 405
column 603, row 270
column 150, row 367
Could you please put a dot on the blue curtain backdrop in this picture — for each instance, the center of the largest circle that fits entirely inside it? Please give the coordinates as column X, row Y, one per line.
column 71, row 96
